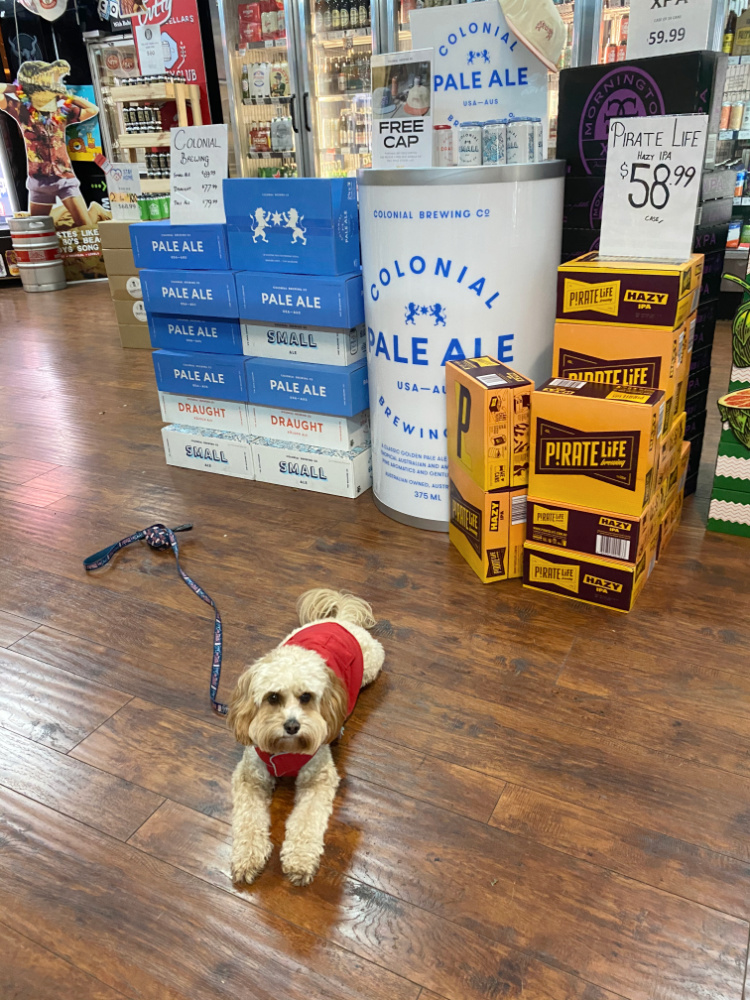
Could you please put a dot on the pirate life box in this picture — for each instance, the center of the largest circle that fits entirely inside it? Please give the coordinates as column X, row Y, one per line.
column 331, row 389
column 190, row 333
column 488, row 422
column 210, row 414
column 669, row 483
column 211, row 376
column 209, row 450
column 488, row 528
column 180, row 248
column 130, row 313
column 593, row 532
column 317, row 429
column 305, row 343
column 125, row 288
column 729, row 512
column 669, row 523
column 306, row 467
column 293, row 225
column 586, row 352
column 627, row 291
column 582, row 577
column 670, row 446
column 691, row 82
column 595, row 445
column 190, row 293
column 336, row 302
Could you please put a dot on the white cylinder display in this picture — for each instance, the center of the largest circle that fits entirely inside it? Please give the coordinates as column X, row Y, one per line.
column 456, row 263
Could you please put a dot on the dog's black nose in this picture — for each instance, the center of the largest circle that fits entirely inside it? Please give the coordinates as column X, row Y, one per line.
column 291, row 727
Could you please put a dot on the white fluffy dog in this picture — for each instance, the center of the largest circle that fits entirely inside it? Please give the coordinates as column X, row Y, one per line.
column 287, row 708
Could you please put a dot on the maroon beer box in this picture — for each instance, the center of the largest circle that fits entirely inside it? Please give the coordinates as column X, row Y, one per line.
column 713, row 265
column 700, row 359
column 705, row 324
column 698, row 382
column 582, row 203
column 590, row 96
column 696, row 403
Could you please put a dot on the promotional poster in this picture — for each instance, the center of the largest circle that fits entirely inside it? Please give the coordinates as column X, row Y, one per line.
column 401, row 112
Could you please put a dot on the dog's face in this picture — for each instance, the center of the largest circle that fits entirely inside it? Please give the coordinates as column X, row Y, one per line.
column 288, row 702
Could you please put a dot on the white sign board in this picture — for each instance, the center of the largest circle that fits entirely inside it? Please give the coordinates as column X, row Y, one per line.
column 150, row 51
column 199, row 157
column 401, row 109
column 651, row 185
column 123, row 187
column 480, row 69
column 664, row 27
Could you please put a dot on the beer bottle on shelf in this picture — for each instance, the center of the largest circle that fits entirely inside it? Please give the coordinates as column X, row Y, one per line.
column 318, row 17
column 342, row 76
column 280, row 22
column 327, row 14
column 245, row 82
column 353, row 13
column 729, row 32
column 335, row 15
column 367, row 14
column 344, row 14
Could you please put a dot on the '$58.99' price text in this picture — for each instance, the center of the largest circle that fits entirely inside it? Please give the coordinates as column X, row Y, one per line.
column 660, row 37
column 653, row 189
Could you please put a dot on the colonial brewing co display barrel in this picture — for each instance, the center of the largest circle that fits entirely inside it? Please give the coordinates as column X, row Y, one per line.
column 456, row 263
column 37, row 249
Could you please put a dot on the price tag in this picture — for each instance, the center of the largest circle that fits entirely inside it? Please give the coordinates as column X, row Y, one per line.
column 123, row 187
column 663, row 27
column 651, row 185
column 199, row 157
column 150, row 50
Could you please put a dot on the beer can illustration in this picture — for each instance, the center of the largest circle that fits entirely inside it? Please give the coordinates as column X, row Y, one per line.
column 493, row 142
column 444, row 146
column 726, row 111
column 520, row 141
column 538, row 140
column 469, row 144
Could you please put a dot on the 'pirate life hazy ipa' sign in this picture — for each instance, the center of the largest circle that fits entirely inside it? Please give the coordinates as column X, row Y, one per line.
column 481, row 70
column 451, row 271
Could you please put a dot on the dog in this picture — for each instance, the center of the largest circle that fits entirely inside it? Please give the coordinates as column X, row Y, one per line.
column 287, row 708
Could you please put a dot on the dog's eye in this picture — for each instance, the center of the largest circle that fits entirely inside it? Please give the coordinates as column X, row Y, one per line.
column 305, row 698
column 274, row 698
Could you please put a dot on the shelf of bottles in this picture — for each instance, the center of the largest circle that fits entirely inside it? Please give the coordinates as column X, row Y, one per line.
column 112, row 62
column 613, row 35
column 260, row 68
column 340, row 50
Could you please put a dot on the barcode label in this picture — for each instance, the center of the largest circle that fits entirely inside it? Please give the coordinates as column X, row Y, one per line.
column 661, row 421
column 518, row 510
column 616, row 548
column 491, row 381
column 567, row 383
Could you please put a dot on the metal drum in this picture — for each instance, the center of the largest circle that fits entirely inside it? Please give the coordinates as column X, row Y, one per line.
column 37, row 249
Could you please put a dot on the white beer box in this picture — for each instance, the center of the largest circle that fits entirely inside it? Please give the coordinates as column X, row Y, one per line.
column 317, row 429
column 222, row 452
column 218, row 414
column 304, row 343
column 323, row 470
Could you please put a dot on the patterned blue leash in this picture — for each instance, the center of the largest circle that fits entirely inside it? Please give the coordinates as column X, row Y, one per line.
column 160, row 537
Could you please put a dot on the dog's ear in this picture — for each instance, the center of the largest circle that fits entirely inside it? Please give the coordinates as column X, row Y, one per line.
column 333, row 705
column 242, row 709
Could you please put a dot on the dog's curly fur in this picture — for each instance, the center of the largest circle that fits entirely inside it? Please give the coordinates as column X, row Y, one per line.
column 293, row 683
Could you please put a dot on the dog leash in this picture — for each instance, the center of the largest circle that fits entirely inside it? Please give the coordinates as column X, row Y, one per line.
column 160, row 537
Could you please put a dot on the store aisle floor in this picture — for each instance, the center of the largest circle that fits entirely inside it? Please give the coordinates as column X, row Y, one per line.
column 541, row 799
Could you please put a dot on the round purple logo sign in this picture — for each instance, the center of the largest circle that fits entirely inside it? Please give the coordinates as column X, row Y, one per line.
column 626, row 92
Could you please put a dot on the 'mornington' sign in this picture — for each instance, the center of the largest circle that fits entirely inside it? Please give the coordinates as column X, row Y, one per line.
column 480, row 69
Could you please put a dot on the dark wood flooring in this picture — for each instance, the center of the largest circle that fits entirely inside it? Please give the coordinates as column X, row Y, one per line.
column 541, row 799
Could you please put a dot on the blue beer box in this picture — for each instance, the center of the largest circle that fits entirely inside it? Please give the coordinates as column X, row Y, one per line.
column 189, row 333
column 213, row 376
column 190, row 293
column 191, row 248
column 308, row 300
column 330, row 389
column 293, row 225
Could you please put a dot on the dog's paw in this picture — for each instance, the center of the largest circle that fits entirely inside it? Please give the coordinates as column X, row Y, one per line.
column 299, row 866
column 247, row 865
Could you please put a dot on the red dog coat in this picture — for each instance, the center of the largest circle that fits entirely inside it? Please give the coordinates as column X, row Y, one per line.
column 343, row 654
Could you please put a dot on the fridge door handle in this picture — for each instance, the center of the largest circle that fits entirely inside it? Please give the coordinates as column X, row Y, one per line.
column 291, row 112
column 306, row 109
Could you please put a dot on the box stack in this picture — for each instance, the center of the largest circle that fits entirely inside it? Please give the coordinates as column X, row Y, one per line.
column 608, row 461
column 124, row 283
column 488, row 464
column 590, row 96
column 246, row 398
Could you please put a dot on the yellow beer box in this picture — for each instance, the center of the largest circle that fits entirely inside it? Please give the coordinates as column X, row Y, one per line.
column 594, row 532
column 670, row 522
column 673, row 480
column 628, row 291
column 595, row 445
column 670, row 447
column 487, row 528
column 590, row 353
column 488, row 422
column 588, row 578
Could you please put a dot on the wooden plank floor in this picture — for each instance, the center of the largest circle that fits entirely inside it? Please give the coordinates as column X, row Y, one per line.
column 541, row 799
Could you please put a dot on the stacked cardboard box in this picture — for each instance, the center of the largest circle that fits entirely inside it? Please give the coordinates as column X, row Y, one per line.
column 488, row 464
column 608, row 462
column 241, row 398
column 686, row 83
column 124, row 283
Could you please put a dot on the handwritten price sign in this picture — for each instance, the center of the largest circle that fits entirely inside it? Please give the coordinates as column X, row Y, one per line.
column 199, row 165
column 651, row 185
